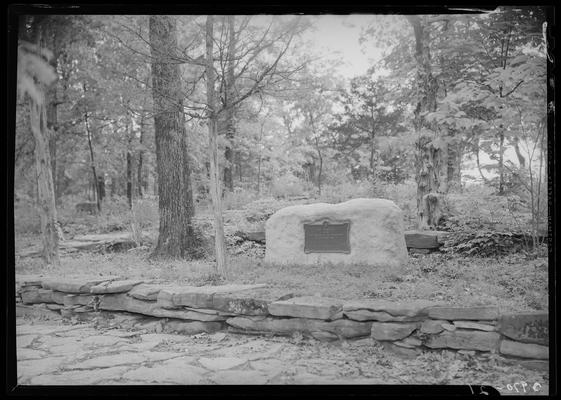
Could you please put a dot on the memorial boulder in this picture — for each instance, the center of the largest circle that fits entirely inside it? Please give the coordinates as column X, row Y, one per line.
column 358, row 231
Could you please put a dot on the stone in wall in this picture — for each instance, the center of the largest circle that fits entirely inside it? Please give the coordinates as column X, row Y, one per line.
column 524, row 350
column 314, row 307
column 72, row 285
column 341, row 327
column 35, row 294
column 375, row 236
column 120, row 286
column 249, row 302
column 464, row 339
column 381, row 316
column 123, row 302
column 409, row 342
column 391, row 330
column 198, row 296
column 432, row 326
column 415, row 308
column 146, row 291
column 77, row 299
column 36, row 311
column 530, row 327
column 474, row 325
column 464, row 313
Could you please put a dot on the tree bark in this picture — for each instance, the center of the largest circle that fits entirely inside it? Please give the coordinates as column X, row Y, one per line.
column 501, row 162
column 45, row 189
column 221, row 267
column 454, row 170
column 141, row 181
column 428, row 158
column 92, row 161
column 228, row 107
column 176, row 233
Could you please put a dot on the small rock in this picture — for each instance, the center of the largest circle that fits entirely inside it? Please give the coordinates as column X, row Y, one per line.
column 307, row 307
column 391, row 331
column 221, row 363
column 432, row 326
column 448, row 327
column 524, row 350
column 461, row 313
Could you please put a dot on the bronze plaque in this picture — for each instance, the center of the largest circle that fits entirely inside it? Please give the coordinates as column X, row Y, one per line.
column 327, row 238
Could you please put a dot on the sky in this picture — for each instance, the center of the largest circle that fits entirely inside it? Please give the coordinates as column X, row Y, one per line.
column 339, row 34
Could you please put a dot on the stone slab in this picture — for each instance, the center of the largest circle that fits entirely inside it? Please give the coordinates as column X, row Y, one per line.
column 307, row 307
column 392, row 330
column 474, row 325
column 376, row 234
column 123, row 302
column 341, row 327
column 35, row 294
column 76, row 285
column 464, row 313
column 198, row 296
column 531, row 327
column 465, row 340
column 249, row 302
column 120, row 286
column 432, row 326
column 411, row 308
column 524, row 350
column 146, row 291
column 425, row 239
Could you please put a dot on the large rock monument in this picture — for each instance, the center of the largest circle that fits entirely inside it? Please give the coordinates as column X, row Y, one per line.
column 358, row 231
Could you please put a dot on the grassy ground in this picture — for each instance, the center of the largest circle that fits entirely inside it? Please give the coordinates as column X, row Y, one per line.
column 512, row 283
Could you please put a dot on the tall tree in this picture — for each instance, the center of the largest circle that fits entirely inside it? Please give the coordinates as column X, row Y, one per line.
column 34, row 76
column 176, row 234
column 429, row 147
column 212, row 121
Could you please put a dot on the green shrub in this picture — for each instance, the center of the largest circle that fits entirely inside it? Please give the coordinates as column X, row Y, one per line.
column 287, row 185
column 483, row 243
column 238, row 198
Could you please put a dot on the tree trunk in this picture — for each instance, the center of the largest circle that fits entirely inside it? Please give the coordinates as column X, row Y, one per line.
column 141, row 181
column 215, row 190
column 92, row 161
column 45, row 189
column 320, row 169
column 454, row 172
column 229, row 109
column 521, row 159
column 176, row 233
column 428, row 158
column 501, row 162
column 129, row 177
column 478, row 162
column 262, row 128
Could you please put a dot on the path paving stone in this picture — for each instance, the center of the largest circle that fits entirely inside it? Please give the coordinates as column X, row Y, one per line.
column 221, row 363
column 109, row 361
column 25, row 340
column 240, row 378
column 31, row 368
column 30, row 354
column 186, row 375
column 85, row 377
column 103, row 340
column 82, row 355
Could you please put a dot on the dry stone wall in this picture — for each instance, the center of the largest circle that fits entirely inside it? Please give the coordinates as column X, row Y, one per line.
column 407, row 328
